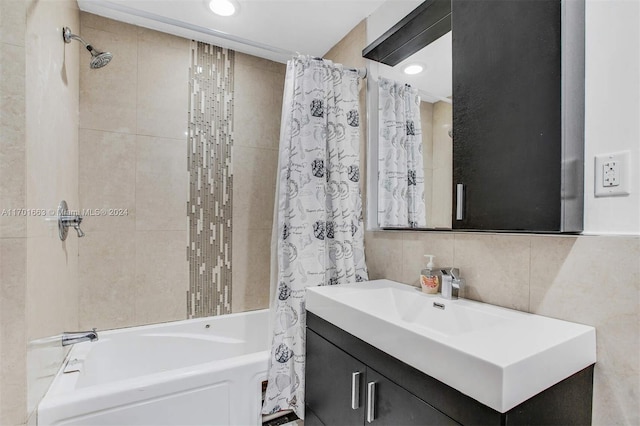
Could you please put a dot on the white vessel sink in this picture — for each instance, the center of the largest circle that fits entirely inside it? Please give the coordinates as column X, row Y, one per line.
column 495, row 355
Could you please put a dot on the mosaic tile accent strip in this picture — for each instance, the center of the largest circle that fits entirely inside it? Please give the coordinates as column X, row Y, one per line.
column 210, row 203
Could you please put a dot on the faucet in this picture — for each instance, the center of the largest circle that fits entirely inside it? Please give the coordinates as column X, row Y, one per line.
column 71, row 338
column 451, row 283
column 67, row 220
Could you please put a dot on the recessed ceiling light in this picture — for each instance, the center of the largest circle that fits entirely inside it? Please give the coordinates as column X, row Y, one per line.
column 413, row 69
column 223, row 7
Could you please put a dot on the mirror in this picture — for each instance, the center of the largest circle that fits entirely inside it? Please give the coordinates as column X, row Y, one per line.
column 515, row 162
column 434, row 88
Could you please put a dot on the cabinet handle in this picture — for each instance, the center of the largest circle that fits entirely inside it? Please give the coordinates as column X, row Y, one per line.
column 355, row 390
column 459, row 201
column 371, row 402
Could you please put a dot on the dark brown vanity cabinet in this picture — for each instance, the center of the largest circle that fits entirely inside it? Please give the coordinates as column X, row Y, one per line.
column 518, row 115
column 349, row 382
column 343, row 391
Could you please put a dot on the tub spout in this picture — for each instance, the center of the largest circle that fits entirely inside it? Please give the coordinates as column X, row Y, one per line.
column 71, row 338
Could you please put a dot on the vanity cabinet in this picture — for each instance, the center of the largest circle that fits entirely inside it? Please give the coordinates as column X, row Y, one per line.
column 346, row 378
column 345, row 391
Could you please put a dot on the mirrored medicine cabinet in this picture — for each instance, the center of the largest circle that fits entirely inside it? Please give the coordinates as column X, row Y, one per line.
column 501, row 113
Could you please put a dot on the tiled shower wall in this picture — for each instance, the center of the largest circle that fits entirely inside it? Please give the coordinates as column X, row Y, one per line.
column 38, row 168
column 133, row 155
column 210, row 201
column 593, row 280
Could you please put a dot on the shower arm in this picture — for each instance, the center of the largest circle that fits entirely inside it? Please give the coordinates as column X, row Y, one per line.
column 68, row 36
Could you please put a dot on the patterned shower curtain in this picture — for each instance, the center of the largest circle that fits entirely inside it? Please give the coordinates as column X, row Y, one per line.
column 400, row 162
column 318, row 228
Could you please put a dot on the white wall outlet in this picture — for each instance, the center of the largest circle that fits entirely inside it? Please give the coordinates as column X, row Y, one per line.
column 612, row 174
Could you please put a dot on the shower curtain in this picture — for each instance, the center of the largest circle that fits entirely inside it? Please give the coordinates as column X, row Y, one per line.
column 318, row 235
column 400, row 161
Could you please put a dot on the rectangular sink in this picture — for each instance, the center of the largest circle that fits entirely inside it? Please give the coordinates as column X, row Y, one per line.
column 495, row 355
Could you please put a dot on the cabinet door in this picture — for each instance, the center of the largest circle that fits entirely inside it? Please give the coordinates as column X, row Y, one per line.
column 507, row 114
column 392, row 405
column 332, row 391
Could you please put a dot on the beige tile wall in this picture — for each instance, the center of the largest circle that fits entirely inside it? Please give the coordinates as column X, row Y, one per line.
column 133, row 119
column 52, row 91
column 38, row 133
column 13, row 245
column 593, row 280
column 132, row 155
column 258, row 88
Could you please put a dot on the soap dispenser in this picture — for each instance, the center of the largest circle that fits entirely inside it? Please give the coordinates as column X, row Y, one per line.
column 428, row 279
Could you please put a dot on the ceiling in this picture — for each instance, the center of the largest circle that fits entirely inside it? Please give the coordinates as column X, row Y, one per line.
column 272, row 29
column 278, row 29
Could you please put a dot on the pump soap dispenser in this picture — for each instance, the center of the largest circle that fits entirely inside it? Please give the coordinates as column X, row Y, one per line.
column 428, row 280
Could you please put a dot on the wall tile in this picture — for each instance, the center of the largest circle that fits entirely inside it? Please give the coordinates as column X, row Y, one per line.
column 107, row 168
column 108, row 95
column 163, row 40
column 416, row 245
column 495, row 268
column 51, row 156
column 162, row 88
column 51, row 120
column 107, row 273
column 251, row 269
column 12, row 139
column 161, row 182
column 52, row 285
column 13, row 276
column 162, row 278
column 260, row 64
column 89, row 20
column 12, row 21
column 596, row 281
column 384, row 255
column 257, row 107
column 254, row 180
column 349, row 50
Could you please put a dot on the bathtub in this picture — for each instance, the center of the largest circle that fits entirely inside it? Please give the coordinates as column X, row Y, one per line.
column 205, row 371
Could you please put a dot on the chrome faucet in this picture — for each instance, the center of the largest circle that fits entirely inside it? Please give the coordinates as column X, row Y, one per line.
column 451, row 283
column 71, row 338
column 67, row 220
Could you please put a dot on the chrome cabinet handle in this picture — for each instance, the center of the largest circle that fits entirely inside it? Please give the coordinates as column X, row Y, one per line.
column 355, row 390
column 371, row 402
column 459, row 201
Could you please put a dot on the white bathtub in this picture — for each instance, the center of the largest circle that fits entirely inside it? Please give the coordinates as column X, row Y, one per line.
column 195, row 372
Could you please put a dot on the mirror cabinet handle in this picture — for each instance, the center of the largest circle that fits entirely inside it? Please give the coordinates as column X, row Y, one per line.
column 459, row 201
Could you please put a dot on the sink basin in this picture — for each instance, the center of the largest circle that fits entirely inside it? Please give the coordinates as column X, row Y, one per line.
column 495, row 355
column 423, row 311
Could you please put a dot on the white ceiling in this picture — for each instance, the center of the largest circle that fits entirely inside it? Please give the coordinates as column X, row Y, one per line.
column 273, row 29
column 278, row 29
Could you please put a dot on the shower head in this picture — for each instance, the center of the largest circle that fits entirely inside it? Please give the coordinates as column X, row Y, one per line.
column 98, row 59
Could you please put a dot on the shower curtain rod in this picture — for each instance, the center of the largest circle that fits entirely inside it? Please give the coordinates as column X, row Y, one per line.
column 362, row 72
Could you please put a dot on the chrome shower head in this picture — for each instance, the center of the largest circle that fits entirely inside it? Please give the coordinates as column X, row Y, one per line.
column 98, row 59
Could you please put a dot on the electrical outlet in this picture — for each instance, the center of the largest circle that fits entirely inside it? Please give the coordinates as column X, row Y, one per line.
column 612, row 174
